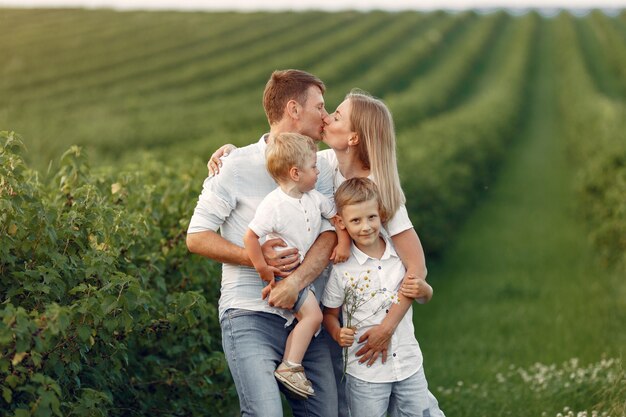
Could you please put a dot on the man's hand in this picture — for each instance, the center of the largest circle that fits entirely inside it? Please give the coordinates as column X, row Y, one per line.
column 377, row 343
column 284, row 294
column 283, row 260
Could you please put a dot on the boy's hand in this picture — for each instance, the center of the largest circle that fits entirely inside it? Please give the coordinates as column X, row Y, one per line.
column 267, row 289
column 340, row 254
column 345, row 336
column 416, row 288
column 267, row 273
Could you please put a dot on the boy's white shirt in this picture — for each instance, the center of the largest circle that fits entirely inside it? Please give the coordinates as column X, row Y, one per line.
column 398, row 223
column 404, row 356
column 298, row 221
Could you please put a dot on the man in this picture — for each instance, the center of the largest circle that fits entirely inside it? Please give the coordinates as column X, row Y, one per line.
column 254, row 330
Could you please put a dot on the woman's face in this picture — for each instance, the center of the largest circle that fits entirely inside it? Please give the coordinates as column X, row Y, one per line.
column 338, row 128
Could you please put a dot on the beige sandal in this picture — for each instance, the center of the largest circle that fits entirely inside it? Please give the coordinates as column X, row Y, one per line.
column 294, row 379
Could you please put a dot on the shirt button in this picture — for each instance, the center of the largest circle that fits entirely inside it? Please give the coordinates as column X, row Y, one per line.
column 386, row 311
column 380, row 267
column 394, row 355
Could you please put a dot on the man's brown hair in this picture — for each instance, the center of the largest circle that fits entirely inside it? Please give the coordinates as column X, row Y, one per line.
column 285, row 85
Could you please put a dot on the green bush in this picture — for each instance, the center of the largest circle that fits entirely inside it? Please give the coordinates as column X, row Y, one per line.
column 103, row 310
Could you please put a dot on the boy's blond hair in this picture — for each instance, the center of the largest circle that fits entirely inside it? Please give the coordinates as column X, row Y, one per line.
column 359, row 190
column 287, row 150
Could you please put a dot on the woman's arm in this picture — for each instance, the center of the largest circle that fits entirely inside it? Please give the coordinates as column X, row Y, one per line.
column 409, row 249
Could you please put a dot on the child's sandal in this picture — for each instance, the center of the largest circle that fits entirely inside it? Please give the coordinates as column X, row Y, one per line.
column 294, row 379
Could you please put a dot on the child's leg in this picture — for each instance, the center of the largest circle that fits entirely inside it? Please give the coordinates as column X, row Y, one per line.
column 367, row 399
column 309, row 319
column 411, row 398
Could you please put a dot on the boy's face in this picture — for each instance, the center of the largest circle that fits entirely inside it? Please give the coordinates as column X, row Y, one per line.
column 308, row 174
column 362, row 221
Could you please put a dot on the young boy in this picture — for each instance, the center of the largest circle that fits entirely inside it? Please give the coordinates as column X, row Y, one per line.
column 365, row 287
column 293, row 212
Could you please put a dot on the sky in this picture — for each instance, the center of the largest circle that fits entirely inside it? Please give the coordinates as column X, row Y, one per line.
column 247, row 5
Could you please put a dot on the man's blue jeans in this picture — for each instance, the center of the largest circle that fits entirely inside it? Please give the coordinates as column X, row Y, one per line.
column 254, row 343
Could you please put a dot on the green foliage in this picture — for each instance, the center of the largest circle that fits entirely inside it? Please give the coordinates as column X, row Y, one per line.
column 103, row 311
column 594, row 126
column 447, row 161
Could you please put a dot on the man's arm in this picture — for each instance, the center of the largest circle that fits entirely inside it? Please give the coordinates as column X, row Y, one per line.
column 213, row 246
column 317, row 258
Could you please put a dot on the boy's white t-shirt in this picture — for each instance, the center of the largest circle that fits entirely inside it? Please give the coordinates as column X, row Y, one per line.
column 398, row 223
column 298, row 221
column 383, row 277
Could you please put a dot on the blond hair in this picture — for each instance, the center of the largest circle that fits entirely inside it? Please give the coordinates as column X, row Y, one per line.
column 287, row 150
column 373, row 123
column 285, row 85
column 358, row 190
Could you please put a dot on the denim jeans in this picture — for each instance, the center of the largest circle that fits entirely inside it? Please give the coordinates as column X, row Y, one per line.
column 254, row 343
column 407, row 398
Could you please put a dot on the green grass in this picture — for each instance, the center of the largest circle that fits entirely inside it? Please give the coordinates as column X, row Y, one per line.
column 521, row 285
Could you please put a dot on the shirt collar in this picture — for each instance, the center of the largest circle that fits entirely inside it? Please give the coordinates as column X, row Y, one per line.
column 361, row 257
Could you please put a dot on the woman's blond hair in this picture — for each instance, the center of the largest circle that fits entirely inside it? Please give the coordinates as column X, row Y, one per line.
column 287, row 150
column 373, row 123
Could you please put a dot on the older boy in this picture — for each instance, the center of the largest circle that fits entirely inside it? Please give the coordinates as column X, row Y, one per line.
column 364, row 287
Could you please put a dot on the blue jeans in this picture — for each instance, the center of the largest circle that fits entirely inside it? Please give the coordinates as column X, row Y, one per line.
column 254, row 343
column 407, row 398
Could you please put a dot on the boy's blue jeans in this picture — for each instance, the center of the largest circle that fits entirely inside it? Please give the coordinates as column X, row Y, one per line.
column 254, row 343
column 407, row 398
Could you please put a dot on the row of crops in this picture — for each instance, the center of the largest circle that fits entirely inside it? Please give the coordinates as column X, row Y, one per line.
column 104, row 312
column 594, row 121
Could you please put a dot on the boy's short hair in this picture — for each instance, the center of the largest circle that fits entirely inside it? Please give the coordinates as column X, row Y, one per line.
column 285, row 85
column 359, row 190
column 288, row 150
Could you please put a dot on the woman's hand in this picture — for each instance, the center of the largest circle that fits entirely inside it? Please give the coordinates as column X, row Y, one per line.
column 340, row 254
column 284, row 260
column 377, row 340
column 416, row 288
column 215, row 163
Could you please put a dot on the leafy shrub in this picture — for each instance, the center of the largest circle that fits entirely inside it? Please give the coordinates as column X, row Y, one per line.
column 103, row 310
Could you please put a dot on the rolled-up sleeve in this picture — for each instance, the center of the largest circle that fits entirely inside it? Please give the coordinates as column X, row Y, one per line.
column 399, row 222
column 215, row 203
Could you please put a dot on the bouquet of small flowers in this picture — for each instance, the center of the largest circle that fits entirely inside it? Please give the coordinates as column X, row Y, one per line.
column 358, row 292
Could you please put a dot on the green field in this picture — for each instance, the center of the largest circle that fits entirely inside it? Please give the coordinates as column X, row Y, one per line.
column 512, row 152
